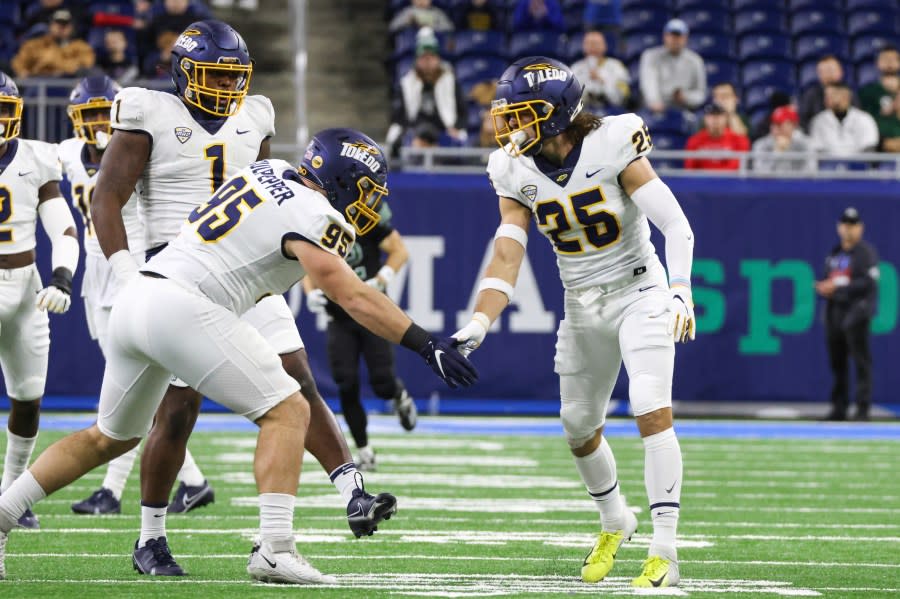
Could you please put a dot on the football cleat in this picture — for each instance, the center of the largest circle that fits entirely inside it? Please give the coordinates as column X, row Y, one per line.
column 406, row 410
column 657, row 572
column 29, row 520
column 364, row 511
column 155, row 559
column 365, row 461
column 600, row 560
column 278, row 561
column 102, row 501
column 3, row 538
column 190, row 498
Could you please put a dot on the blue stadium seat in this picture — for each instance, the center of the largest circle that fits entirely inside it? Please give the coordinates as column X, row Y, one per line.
column 711, row 45
column 871, row 22
column 681, row 5
column 116, row 7
column 721, row 71
column 404, row 42
column 573, row 20
column 9, row 13
column 571, row 50
column 814, row 46
column 769, row 72
column 853, row 5
column 738, row 5
column 806, row 74
column 816, row 21
column 485, row 43
column 866, row 74
column 667, row 141
column 795, row 5
column 401, row 66
column 758, row 116
column 707, row 19
column 759, row 21
column 757, row 97
column 867, row 47
column 638, row 4
column 636, row 43
column 478, row 68
column 671, row 121
column 645, row 19
column 569, row 5
column 534, row 43
column 763, row 46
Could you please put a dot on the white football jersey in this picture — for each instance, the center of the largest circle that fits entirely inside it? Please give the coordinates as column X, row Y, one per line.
column 187, row 162
column 82, row 175
column 25, row 167
column 231, row 247
column 599, row 235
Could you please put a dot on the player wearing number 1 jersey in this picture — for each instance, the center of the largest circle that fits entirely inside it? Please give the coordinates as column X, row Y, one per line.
column 590, row 188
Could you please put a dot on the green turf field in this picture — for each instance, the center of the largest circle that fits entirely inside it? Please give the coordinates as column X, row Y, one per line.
column 504, row 516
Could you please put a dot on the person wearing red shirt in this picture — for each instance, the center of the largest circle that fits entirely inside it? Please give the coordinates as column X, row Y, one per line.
column 716, row 136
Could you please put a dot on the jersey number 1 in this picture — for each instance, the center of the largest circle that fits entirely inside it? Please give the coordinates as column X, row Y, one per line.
column 215, row 153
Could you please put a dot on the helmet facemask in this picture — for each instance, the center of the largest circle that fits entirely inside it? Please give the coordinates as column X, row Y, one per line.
column 202, row 92
column 10, row 117
column 363, row 212
column 517, row 126
column 91, row 121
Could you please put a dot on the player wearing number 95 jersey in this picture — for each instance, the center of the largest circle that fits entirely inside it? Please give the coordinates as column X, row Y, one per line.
column 588, row 185
column 262, row 231
column 29, row 188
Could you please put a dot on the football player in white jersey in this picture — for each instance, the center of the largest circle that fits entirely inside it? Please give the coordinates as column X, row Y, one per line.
column 29, row 188
column 264, row 229
column 177, row 149
column 590, row 189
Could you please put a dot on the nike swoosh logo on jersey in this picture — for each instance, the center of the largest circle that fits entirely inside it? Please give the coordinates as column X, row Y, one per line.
column 589, row 175
column 437, row 358
column 642, row 289
column 25, row 173
column 239, row 132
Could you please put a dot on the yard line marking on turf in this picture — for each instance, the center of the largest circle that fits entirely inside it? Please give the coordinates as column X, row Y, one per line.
column 412, row 443
column 514, row 461
column 500, row 481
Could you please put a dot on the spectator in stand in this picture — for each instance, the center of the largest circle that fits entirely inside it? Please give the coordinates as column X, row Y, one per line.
column 672, row 75
column 877, row 98
column 784, row 136
column 175, row 17
column 479, row 15
column 602, row 14
column 39, row 14
column 889, row 128
column 143, row 13
column 158, row 64
column 724, row 95
column 777, row 99
column 716, row 135
column 114, row 60
column 538, row 15
column 841, row 128
column 606, row 80
column 812, row 102
column 482, row 95
column 428, row 99
column 421, row 14
column 56, row 53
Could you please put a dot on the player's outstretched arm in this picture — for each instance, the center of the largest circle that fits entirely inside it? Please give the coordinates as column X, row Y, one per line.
column 397, row 256
column 123, row 162
column 59, row 225
column 656, row 200
column 373, row 310
column 496, row 288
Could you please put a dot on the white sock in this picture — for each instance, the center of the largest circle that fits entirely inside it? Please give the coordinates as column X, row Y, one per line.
column 153, row 523
column 344, row 479
column 18, row 453
column 190, row 474
column 20, row 496
column 598, row 471
column 663, row 472
column 276, row 516
column 117, row 472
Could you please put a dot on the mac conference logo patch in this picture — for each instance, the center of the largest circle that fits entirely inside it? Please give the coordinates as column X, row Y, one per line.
column 530, row 192
column 183, row 133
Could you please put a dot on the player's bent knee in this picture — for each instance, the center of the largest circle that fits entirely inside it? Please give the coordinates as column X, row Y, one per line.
column 580, row 422
column 29, row 390
column 292, row 411
column 649, row 393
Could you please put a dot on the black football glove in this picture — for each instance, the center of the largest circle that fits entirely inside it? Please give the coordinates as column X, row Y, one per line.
column 446, row 361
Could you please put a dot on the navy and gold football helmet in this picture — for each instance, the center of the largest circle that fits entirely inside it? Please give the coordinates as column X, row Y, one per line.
column 89, row 106
column 203, row 53
column 10, row 109
column 352, row 170
column 537, row 98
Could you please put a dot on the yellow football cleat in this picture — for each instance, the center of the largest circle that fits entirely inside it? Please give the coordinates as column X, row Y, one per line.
column 657, row 572
column 600, row 560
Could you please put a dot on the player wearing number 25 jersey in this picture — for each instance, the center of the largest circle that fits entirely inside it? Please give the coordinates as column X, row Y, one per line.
column 590, row 189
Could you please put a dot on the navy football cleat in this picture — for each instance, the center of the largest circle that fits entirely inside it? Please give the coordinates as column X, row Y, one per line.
column 28, row 520
column 364, row 511
column 102, row 501
column 190, row 498
column 155, row 559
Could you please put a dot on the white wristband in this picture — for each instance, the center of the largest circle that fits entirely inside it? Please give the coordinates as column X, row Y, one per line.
column 386, row 274
column 497, row 285
column 482, row 319
column 123, row 265
column 514, row 232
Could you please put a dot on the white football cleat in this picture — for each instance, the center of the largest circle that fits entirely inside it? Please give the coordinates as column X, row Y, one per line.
column 278, row 561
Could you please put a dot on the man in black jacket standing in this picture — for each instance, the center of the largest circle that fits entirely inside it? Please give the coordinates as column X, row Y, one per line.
column 850, row 288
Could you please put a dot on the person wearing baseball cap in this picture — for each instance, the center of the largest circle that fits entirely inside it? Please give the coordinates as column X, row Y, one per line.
column 672, row 75
column 716, row 135
column 784, row 136
column 850, row 288
column 58, row 53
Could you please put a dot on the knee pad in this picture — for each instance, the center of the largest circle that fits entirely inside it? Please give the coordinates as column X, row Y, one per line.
column 580, row 419
column 31, row 389
column 648, row 393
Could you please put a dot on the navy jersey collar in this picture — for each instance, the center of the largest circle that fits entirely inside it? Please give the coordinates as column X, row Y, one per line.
column 12, row 147
column 556, row 173
column 211, row 123
column 86, row 161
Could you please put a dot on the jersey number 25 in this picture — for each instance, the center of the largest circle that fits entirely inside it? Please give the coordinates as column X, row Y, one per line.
column 599, row 228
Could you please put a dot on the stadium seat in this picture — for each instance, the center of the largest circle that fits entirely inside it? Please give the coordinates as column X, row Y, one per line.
column 638, row 4
column 671, row 121
column 795, row 5
column 636, row 43
column 806, row 74
column 710, row 45
column 401, row 66
column 404, row 42
column 9, row 13
column 757, row 97
column 867, row 47
column 779, row 74
column 479, row 68
column 853, row 5
column 763, row 46
column 816, row 21
column 645, row 19
column 573, row 20
column 871, row 22
column 866, row 74
column 681, row 5
column 721, row 71
column 759, row 21
column 483, row 43
column 707, row 19
column 816, row 45
column 774, row 5
column 534, row 43
column 571, row 50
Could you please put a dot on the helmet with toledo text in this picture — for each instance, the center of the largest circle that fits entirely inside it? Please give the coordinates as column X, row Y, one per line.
column 352, row 170
column 89, row 106
column 537, row 98
column 10, row 108
column 211, row 67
